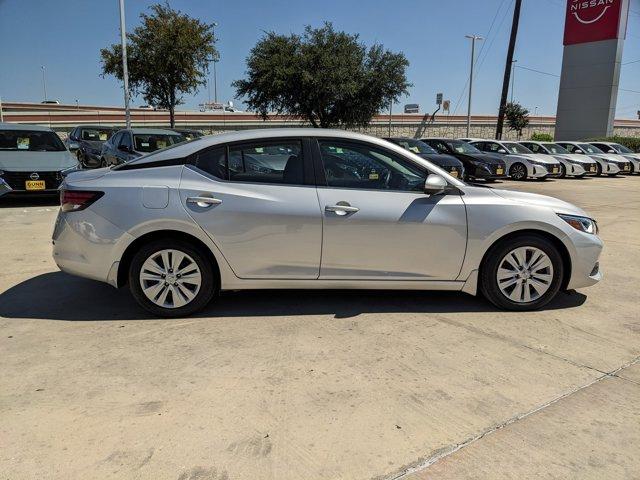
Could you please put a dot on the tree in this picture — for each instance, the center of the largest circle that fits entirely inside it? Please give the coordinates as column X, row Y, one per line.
column 517, row 117
column 326, row 77
column 167, row 56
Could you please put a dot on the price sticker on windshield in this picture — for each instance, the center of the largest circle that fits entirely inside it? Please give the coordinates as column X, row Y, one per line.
column 23, row 143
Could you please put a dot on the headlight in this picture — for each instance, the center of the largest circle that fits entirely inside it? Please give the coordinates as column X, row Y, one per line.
column 584, row 224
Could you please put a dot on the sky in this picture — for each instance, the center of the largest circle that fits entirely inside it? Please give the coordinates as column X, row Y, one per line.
column 66, row 37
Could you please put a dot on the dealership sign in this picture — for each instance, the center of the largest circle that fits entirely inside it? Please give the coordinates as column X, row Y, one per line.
column 595, row 20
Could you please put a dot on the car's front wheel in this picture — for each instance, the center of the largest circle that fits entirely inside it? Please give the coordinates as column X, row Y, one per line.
column 518, row 171
column 522, row 273
column 171, row 278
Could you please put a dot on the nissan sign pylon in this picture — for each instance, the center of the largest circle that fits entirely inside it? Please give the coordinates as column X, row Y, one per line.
column 594, row 35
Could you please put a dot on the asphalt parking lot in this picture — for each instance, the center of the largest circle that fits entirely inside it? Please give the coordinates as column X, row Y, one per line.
column 305, row 385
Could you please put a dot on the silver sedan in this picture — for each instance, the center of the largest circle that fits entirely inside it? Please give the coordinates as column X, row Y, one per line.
column 311, row 208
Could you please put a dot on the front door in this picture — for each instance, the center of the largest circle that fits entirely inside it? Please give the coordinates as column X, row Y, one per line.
column 258, row 203
column 378, row 223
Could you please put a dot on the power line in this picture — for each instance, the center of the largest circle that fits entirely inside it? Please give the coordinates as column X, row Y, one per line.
column 627, row 90
column 538, row 71
column 629, row 63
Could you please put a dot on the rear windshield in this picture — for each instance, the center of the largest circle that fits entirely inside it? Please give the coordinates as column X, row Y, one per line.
column 96, row 135
column 513, row 147
column 151, row 142
column 30, row 141
column 553, row 148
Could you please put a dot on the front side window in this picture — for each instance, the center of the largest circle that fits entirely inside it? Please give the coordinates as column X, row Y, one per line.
column 30, row 141
column 272, row 162
column 126, row 140
column 146, row 143
column 359, row 165
column 493, row 147
column 534, row 147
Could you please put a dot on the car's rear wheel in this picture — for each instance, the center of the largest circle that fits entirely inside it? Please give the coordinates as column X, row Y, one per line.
column 518, row 171
column 522, row 273
column 171, row 278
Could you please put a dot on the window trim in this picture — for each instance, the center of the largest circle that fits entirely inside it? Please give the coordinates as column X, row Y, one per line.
column 319, row 165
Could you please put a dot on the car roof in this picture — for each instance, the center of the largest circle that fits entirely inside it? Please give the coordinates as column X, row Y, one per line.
column 97, row 127
column 152, row 131
column 23, row 126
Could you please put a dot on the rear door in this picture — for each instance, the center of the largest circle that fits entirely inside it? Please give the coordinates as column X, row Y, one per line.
column 258, row 203
column 378, row 222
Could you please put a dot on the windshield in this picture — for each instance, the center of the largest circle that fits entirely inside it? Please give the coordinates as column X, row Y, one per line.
column 96, row 135
column 415, row 146
column 586, row 148
column 463, row 147
column 513, row 147
column 553, row 148
column 30, row 141
column 147, row 143
column 621, row 148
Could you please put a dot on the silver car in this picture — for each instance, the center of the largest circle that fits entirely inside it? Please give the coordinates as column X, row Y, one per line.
column 624, row 153
column 521, row 162
column 572, row 165
column 313, row 209
column 607, row 164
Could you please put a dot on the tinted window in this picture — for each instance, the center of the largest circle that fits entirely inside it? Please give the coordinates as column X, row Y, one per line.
column 534, row 147
column 30, row 141
column 359, row 165
column 154, row 141
column 94, row 135
column 555, row 149
column 589, row 148
column 213, row 161
column 622, row 148
column 271, row 162
column 126, row 140
column 116, row 138
column 439, row 146
column 415, row 146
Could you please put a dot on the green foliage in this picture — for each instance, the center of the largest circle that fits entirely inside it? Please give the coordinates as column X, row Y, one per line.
column 167, row 56
column 517, row 117
column 630, row 142
column 324, row 76
column 541, row 137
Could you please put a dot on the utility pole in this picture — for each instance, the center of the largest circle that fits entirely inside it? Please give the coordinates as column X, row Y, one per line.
column 125, row 70
column 507, row 68
column 473, row 38
column 1, row 114
column 215, row 60
column 44, row 84
column 390, row 112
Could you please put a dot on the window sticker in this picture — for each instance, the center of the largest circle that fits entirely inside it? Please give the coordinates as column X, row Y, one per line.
column 374, row 175
column 161, row 143
column 259, row 149
column 145, row 144
column 23, row 143
column 103, row 136
column 414, row 149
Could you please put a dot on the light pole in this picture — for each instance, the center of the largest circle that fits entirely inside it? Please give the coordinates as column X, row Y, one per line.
column 125, row 70
column 473, row 57
column 44, row 83
column 215, row 60
column 513, row 77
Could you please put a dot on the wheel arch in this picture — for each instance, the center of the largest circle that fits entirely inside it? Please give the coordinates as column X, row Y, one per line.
column 558, row 243
column 134, row 246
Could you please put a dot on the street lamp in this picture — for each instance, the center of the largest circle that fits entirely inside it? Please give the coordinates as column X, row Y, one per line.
column 125, row 70
column 513, row 77
column 44, row 83
column 473, row 56
column 215, row 60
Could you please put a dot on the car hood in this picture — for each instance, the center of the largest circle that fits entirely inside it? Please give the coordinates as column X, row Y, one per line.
column 557, row 205
column 36, row 161
column 574, row 157
column 442, row 160
column 536, row 157
column 609, row 157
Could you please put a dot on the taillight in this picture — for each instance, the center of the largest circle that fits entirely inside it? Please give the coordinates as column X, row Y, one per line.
column 76, row 200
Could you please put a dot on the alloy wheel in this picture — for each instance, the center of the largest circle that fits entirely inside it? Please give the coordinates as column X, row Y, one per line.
column 518, row 171
column 525, row 274
column 170, row 278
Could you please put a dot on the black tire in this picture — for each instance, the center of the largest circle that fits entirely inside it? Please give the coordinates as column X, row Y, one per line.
column 518, row 171
column 488, row 271
column 563, row 171
column 208, row 288
column 598, row 169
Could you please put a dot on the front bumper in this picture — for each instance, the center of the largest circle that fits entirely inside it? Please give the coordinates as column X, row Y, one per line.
column 489, row 172
column 17, row 180
column 585, row 267
column 537, row 171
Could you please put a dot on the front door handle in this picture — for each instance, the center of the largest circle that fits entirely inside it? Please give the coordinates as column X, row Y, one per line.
column 341, row 208
column 204, row 202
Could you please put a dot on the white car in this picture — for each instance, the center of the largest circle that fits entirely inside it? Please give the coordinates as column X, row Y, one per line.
column 521, row 162
column 608, row 164
column 617, row 149
column 298, row 208
column 572, row 165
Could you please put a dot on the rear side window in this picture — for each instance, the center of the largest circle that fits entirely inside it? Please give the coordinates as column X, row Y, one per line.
column 213, row 161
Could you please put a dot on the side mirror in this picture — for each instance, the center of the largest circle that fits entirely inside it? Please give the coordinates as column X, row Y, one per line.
column 611, row 150
column 124, row 148
column 502, row 150
column 435, row 185
column 73, row 146
column 578, row 151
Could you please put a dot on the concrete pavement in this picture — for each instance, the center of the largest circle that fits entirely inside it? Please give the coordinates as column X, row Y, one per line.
column 289, row 385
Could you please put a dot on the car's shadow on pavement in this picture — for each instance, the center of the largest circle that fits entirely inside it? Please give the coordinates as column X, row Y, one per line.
column 58, row 296
column 15, row 201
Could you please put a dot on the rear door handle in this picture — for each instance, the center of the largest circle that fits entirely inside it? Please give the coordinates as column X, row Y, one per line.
column 204, row 202
column 341, row 208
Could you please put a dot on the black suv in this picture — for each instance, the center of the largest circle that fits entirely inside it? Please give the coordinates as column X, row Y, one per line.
column 478, row 165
